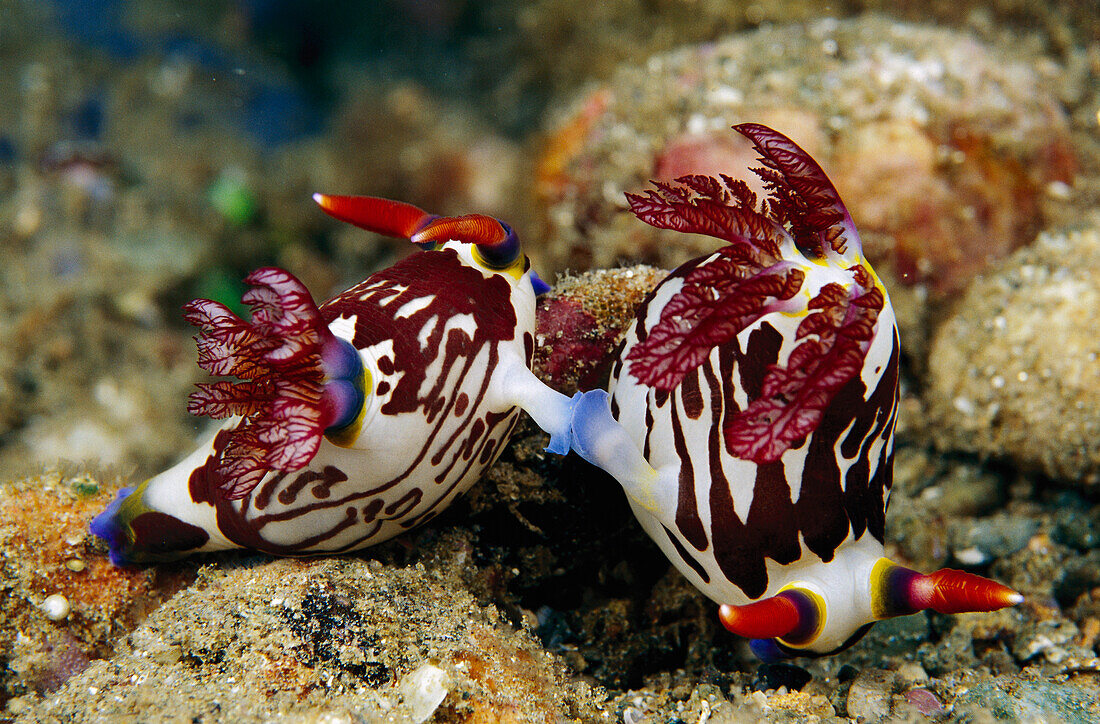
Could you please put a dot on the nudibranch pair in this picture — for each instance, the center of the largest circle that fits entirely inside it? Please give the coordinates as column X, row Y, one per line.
column 358, row 419
column 749, row 418
column 750, row 414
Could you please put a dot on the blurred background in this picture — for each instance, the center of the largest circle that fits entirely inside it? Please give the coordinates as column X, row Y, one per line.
column 155, row 151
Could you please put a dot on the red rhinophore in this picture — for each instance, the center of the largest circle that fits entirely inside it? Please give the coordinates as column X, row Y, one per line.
column 277, row 357
column 802, row 196
column 951, row 591
column 496, row 241
column 769, row 618
column 473, row 228
column 793, row 397
column 382, row 216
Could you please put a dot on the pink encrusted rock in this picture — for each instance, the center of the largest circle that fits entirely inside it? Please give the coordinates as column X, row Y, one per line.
column 581, row 320
column 943, row 147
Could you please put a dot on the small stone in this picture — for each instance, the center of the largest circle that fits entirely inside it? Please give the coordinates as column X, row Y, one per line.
column 75, row 565
column 17, row 705
column 56, row 607
column 423, row 691
column 914, row 672
column 997, row 536
column 924, row 701
column 869, row 695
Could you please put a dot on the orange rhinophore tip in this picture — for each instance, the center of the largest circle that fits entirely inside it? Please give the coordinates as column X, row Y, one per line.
column 951, row 591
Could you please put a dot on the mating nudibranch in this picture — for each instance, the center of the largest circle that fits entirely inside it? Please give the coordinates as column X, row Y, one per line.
column 751, row 414
column 355, row 420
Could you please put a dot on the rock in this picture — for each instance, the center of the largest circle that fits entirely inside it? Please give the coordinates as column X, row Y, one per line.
column 582, row 319
column 1051, row 640
column 264, row 639
column 1076, row 524
column 1013, row 699
column 1014, row 374
column 942, row 146
column 423, row 690
column 984, row 539
column 53, row 615
column 870, row 693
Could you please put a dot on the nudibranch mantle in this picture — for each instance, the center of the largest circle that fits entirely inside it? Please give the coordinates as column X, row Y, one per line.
column 751, row 411
column 357, row 419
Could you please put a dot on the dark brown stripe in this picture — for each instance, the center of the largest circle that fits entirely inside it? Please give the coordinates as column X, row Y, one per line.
column 687, row 557
column 687, row 511
column 690, row 396
column 400, row 507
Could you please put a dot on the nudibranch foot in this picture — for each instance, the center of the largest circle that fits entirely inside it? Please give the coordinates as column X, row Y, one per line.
column 559, row 424
column 601, row 440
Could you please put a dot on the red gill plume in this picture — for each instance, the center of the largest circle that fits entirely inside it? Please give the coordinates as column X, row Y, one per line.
column 280, row 395
column 750, row 277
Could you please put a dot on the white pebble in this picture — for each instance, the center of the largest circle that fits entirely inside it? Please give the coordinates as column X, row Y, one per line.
column 972, row 556
column 423, row 691
column 964, row 405
column 56, row 607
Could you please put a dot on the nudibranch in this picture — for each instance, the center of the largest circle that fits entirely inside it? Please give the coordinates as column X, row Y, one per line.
column 357, row 419
column 750, row 414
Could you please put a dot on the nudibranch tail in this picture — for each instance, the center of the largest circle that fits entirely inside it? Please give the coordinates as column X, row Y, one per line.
column 496, row 242
column 136, row 533
column 296, row 379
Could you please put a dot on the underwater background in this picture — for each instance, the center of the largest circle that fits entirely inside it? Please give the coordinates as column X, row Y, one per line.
column 153, row 152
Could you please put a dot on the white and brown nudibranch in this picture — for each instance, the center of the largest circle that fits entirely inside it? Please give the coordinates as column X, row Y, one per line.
column 751, row 414
column 357, row 419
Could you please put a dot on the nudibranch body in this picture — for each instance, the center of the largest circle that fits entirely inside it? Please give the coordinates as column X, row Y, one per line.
column 751, row 413
column 358, row 419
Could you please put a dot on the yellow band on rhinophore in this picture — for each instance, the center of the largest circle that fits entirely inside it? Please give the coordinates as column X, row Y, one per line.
column 820, row 613
column 515, row 269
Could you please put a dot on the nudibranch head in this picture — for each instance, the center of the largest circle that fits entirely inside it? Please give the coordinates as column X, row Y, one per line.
column 353, row 420
column 760, row 385
column 492, row 244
